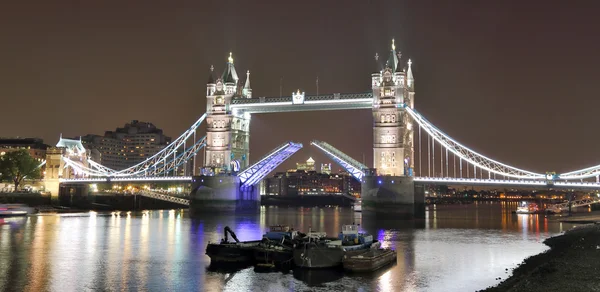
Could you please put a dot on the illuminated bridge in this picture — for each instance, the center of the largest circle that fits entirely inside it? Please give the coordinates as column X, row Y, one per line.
column 409, row 151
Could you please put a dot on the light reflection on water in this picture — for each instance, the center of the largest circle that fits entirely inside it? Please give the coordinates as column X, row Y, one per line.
column 457, row 248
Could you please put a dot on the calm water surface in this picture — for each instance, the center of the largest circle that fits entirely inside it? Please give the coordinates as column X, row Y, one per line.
column 456, row 248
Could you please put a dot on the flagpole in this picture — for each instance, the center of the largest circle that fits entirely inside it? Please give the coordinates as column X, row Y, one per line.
column 317, row 86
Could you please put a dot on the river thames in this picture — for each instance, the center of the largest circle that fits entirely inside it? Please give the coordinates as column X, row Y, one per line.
column 456, row 248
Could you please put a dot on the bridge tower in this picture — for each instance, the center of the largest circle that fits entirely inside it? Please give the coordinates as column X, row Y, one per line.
column 392, row 130
column 227, row 133
column 391, row 190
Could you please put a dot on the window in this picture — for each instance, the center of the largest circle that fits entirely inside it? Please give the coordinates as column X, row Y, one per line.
column 393, row 118
column 383, row 118
column 387, row 118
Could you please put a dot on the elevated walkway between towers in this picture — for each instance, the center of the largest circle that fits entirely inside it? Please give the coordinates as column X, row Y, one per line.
column 163, row 197
column 355, row 168
column 299, row 102
column 254, row 173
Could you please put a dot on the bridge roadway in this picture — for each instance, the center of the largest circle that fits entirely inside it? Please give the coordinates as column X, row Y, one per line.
column 417, row 180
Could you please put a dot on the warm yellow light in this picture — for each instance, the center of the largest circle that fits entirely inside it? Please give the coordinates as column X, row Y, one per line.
column 230, row 59
column 393, row 45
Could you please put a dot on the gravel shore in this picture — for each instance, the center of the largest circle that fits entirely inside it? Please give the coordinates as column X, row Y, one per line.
column 571, row 264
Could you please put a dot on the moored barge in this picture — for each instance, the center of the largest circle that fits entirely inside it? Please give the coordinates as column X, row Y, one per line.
column 368, row 261
column 231, row 252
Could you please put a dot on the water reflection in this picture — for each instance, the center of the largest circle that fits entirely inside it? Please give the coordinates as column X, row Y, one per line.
column 456, row 248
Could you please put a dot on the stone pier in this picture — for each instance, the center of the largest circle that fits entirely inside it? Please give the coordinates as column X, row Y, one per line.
column 392, row 197
column 224, row 193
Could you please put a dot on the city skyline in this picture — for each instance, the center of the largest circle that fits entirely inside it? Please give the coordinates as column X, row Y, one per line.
column 480, row 75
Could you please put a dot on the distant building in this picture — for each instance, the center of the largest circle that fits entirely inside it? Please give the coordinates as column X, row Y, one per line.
column 326, row 168
column 300, row 183
column 309, row 165
column 35, row 146
column 127, row 146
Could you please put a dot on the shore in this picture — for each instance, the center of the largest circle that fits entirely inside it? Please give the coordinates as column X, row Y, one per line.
column 571, row 264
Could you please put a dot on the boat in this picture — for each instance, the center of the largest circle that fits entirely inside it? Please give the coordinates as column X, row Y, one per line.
column 327, row 253
column 276, row 248
column 525, row 208
column 369, row 260
column 15, row 210
column 358, row 206
column 231, row 252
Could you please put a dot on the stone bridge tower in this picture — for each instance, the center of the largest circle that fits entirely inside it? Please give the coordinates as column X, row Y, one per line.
column 393, row 86
column 227, row 133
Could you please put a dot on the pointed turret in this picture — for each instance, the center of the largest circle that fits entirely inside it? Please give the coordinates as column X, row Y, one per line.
column 247, row 85
column 376, row 75
column 229, row 78
column 392, row 61
column 211, row 75
column 230, row 75
column 409, row 76
column 211, row 84
column 378, row 65
column 247, row 91
column 399, row 69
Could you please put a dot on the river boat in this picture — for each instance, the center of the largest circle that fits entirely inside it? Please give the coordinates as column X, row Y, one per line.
column 15, row 210
column 358, row 206
column 525, row 208
column 231, row 252
column 277, row 246
column 369, row 260
column 327, row 253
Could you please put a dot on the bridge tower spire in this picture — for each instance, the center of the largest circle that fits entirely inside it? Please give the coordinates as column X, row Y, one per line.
column 392, row 130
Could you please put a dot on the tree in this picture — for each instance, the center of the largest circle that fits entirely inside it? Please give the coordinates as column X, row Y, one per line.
column 18, row 165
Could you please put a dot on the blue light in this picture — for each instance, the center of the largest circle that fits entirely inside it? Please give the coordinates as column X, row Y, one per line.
column 379, row 181
column 220, row 180
column 392, row 181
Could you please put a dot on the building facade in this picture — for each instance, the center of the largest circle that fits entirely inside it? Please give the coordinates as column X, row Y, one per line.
column 35, row 146
column 326, row 168
column 127, row 146
column 309, row 165
column 393, row 87
column 309, row 183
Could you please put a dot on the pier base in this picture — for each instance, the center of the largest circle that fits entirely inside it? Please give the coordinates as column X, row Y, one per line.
column 211, row 194
column 392, row 197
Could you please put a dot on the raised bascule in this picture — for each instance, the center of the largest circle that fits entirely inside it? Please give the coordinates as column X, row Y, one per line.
column 228, row 180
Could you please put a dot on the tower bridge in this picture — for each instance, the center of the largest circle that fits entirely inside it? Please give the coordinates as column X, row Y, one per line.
column 392, row 185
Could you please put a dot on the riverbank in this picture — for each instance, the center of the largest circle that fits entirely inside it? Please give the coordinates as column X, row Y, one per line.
column 581, row 218
column 571, row 264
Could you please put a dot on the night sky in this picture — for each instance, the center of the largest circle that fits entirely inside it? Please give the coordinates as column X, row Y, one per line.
column 515, row 80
